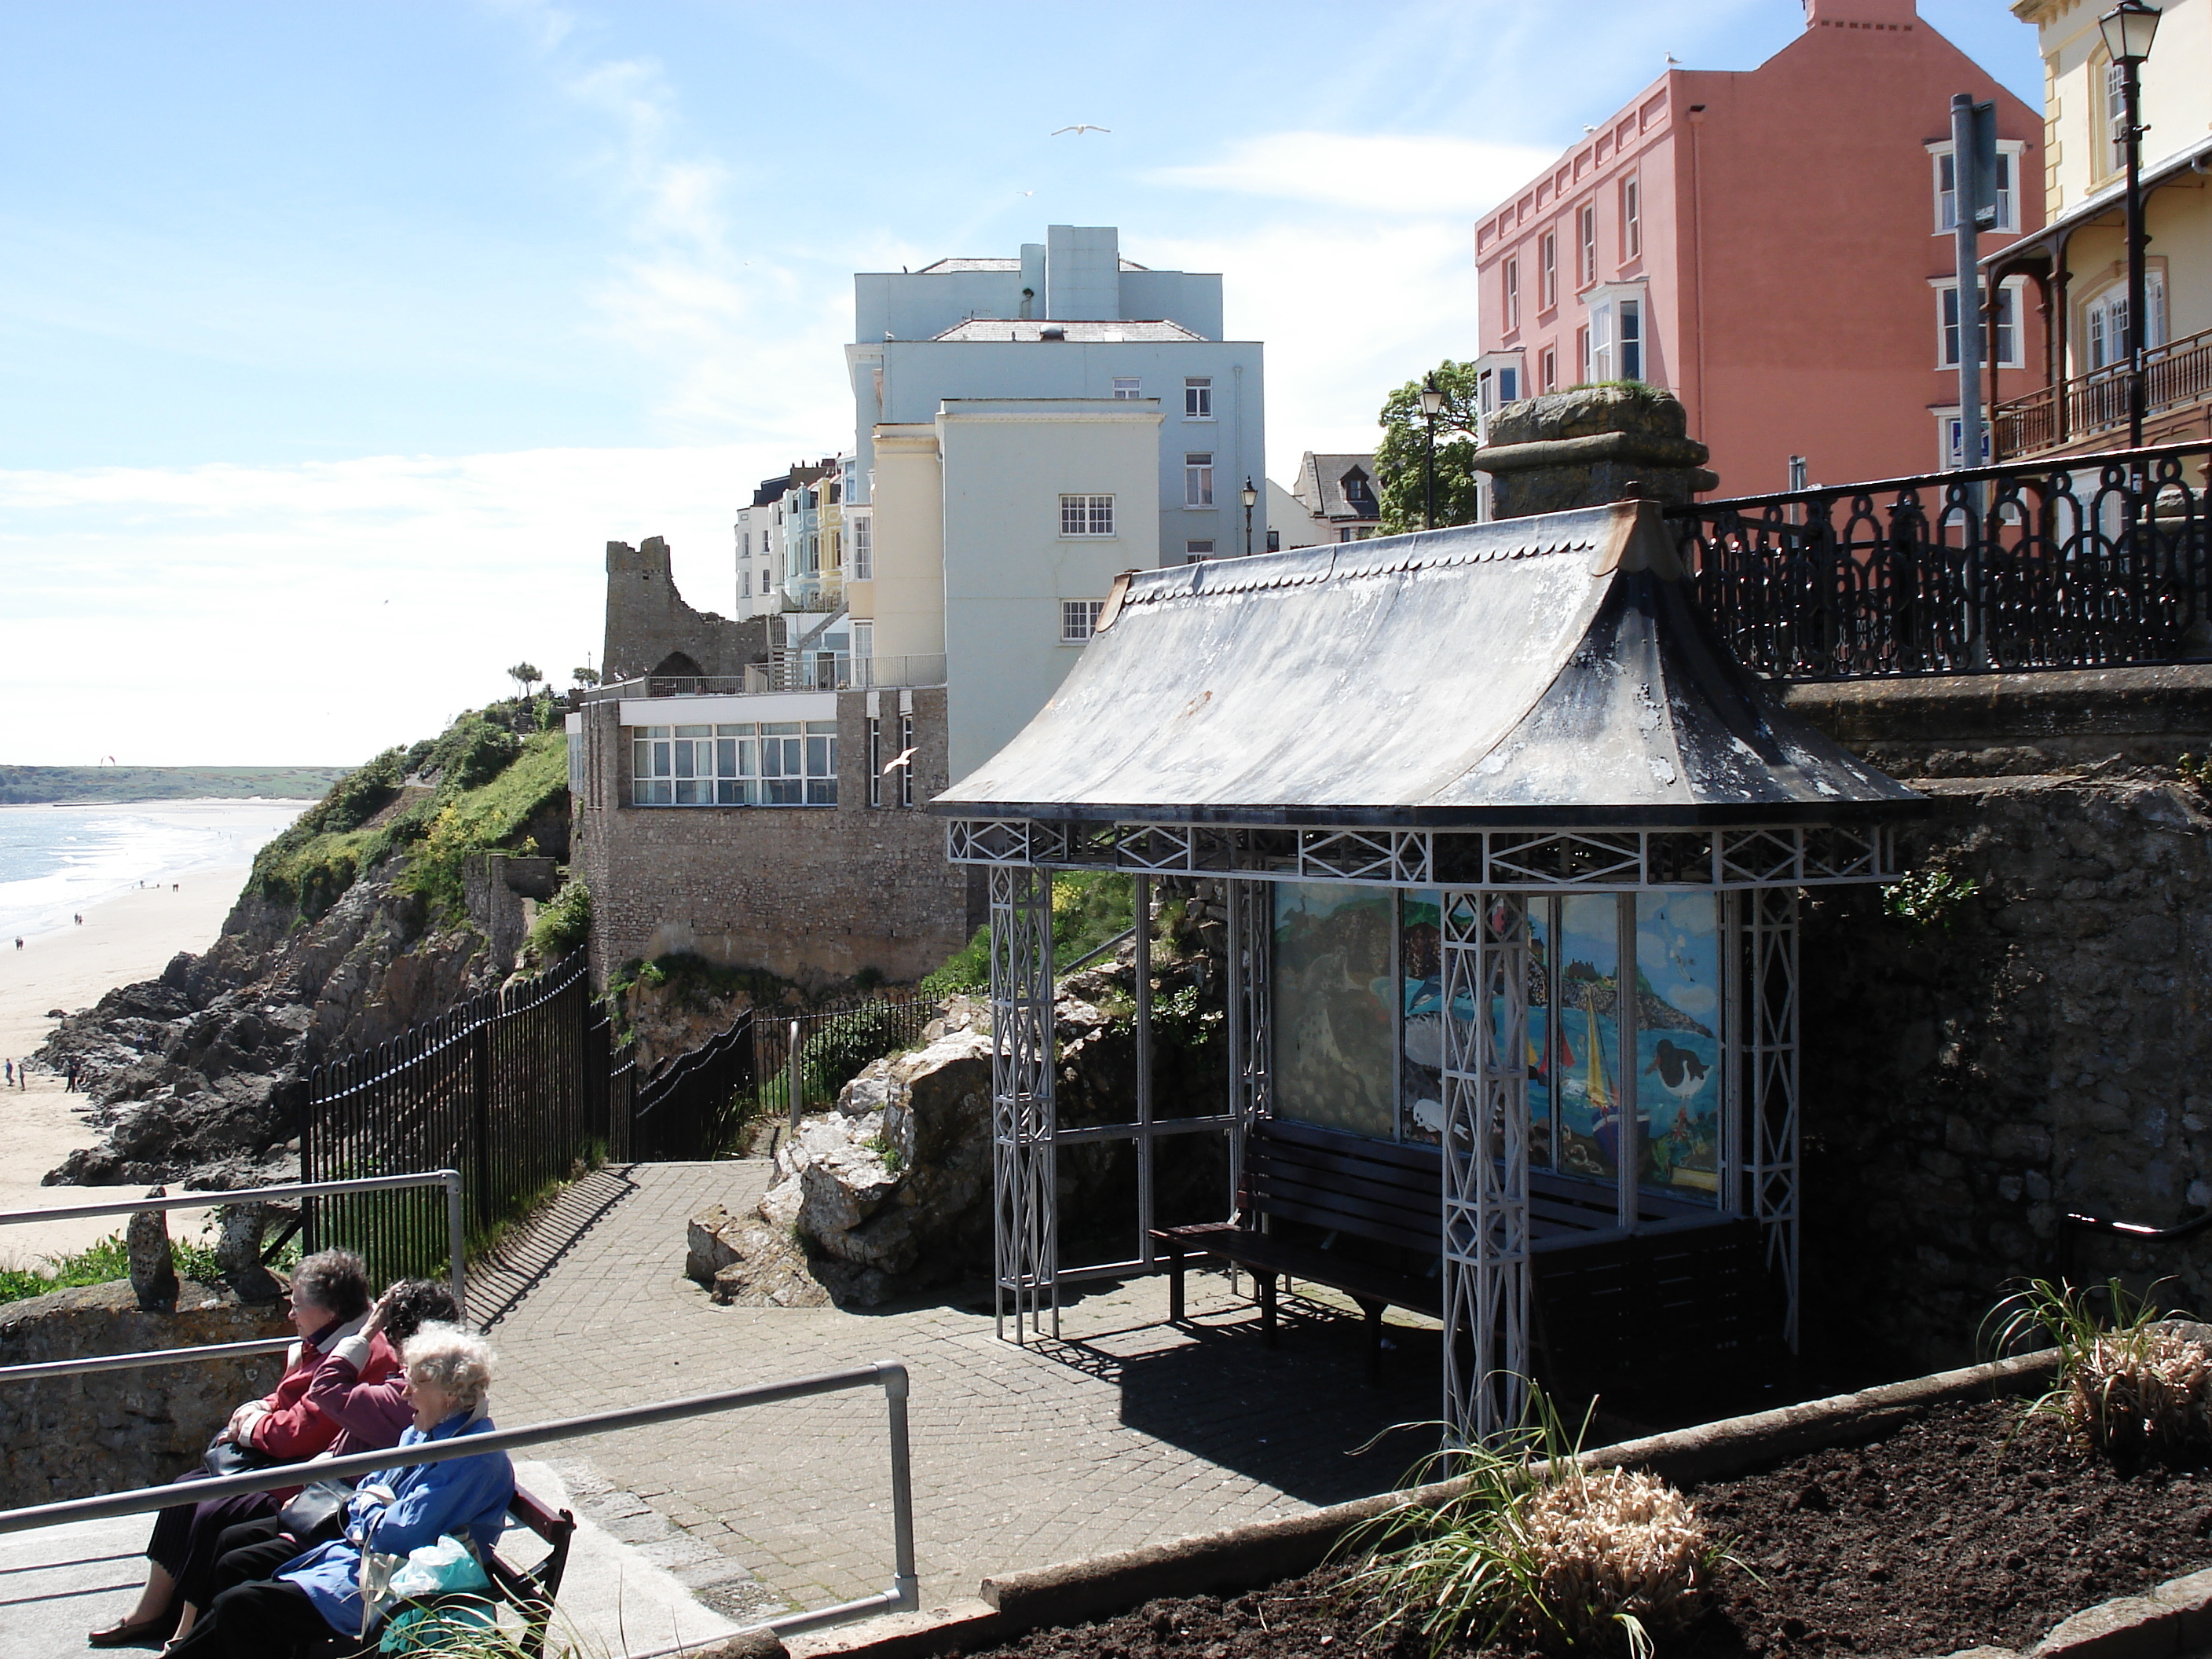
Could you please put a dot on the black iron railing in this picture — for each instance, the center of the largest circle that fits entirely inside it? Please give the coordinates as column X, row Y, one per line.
column 833, row 1045
column 511, row 1088
column 690, row 1108
column 2091, row 562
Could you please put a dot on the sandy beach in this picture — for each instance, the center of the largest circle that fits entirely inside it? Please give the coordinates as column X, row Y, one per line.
column 128, row 937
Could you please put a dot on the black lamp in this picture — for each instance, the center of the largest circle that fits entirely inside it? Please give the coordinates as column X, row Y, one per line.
column 1432, row 404
column 2128, row 28
column 1251, row 500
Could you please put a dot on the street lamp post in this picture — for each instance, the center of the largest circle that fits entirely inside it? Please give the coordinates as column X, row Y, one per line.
column 2129, row 29
column 1432, row 404
column 1251, row 500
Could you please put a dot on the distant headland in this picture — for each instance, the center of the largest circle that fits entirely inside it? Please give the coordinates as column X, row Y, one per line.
column 75, row 786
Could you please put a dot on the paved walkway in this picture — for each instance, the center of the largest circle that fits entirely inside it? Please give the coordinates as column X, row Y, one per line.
column 1126, row 1432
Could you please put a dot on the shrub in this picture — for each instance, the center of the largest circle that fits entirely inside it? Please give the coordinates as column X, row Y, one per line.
column 1537, row 1547
column 2126, row 1388
column 1928, row 899
column 486, row 816
column 837, row 1053
column 563, row 925
column 967, row 969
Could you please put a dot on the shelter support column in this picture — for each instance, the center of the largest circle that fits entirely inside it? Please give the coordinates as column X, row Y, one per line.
column 1025, row 1233
column 1771, row 1057
column 1251, row 908
column 1486, row 960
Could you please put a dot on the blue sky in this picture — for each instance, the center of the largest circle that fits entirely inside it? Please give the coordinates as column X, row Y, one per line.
column 337, row 341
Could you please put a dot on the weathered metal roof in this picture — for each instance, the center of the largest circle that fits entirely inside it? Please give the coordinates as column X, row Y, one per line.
column 1543, row 670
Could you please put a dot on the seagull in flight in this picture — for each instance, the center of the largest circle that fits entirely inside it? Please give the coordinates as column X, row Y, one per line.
column 1079, row 130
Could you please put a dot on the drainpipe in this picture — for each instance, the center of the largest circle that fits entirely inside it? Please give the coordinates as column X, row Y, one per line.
column 1698, row 253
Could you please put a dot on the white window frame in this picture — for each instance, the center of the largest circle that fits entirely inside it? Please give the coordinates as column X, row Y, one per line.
column 1548, row 272
column 864, row 547
column 1943, row 182
column 742, row 764
column 1586, row 245
column 1078, row 620
column 864, row 647
column 2109, row 305
column 2006, row 334
column 1198, row 478
column 1513, row 294
column 1950, row 430
column 1086, row 518
column 1632, row 216
column 2113, row 107
column 1196, row 549
column 1127, row 388
column 1198, row 397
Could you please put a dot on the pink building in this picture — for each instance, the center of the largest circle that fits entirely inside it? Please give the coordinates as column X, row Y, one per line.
column 1774, row 247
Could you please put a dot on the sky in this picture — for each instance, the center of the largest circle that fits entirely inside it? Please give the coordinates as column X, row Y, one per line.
column 337, row 341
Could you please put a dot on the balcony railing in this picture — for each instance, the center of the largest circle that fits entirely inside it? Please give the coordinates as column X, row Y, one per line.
column 2175, row 375
column 809, row 671
column 2094, row 562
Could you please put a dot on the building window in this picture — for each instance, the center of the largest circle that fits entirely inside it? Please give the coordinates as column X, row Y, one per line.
column 875, row 762
column 1947, row 190
column 1198, row 478
column 1952, row 438
column 1586, row 243
column 768, row 763
column 1632, row 339
column 1549, row 365
column 2104, row 322
column 1086, row 515
column 2116, row 118
column 1632, row 218
column 864, row 549
column 1079, row 619
column 864, row 650
column 906, row 759
column 1512, row 294
column 1274, row 541
column 744, row 543
column 745, row 583
column 1585, row 351
column 1344, row 532
column 1198, row 398
column 1193, row 551
column 1547, row 271
column 2003, row 350
column 1127, row 387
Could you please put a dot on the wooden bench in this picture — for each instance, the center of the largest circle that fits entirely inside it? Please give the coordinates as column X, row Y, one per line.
column 1383, row 1193
column 531, row 1591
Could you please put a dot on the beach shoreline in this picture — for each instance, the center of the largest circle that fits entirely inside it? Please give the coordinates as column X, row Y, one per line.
column 122, row 939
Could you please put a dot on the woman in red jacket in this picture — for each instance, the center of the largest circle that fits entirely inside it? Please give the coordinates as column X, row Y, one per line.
column 330, row 1304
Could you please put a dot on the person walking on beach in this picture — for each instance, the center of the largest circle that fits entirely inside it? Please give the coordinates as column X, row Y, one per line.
column 71, row 1073
column 11, row 1074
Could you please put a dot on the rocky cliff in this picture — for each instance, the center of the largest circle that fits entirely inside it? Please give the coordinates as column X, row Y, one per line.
column 356, row 924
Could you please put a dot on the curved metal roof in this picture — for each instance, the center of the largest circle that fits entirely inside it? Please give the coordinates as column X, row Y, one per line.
column 1544, row 670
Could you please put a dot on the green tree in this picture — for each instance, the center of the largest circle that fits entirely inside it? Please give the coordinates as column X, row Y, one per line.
column 526, row 675
column 584, row 676
column 1404, row 450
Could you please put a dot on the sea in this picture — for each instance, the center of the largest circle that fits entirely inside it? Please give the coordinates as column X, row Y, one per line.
column 56, row 861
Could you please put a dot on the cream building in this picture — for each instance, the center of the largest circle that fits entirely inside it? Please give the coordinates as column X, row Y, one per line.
column 998, row 530
column 2078, row 260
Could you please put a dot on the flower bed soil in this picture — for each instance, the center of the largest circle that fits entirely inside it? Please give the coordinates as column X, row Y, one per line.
column 1960, row 1528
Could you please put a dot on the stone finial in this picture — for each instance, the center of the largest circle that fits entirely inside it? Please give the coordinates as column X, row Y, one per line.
column 153, row 1264
column 237, row 1252
column 1584, row 448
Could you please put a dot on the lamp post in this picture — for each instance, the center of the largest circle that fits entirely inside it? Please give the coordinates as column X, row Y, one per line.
column 2129, row 29
column 1432, row 404
column 1251, row 500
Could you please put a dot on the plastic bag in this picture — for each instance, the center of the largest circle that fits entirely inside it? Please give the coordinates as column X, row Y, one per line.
column 445, row 1568
column 433, row 1630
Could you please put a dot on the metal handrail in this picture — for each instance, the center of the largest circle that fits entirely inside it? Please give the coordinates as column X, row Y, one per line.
column 2141, row 1229
column 891, row 1374
column 457, row 1242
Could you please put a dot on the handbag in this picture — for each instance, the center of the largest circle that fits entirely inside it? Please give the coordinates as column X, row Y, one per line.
column 314, row 1507
column 229, row 1457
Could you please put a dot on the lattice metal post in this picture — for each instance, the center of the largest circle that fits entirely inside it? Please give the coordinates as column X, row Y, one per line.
column 1770, row 1013
column 1025, row 1231
column 1251, row 910
column 1485, row 1165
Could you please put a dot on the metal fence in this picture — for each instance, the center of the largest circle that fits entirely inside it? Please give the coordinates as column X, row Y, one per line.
column 504, row 1088
column 2091, row 562
column 830, row 1045
column 690, row 1109
column 2175, row 375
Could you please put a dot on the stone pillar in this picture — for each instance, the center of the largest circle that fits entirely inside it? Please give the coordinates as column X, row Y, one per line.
column 1584, row 448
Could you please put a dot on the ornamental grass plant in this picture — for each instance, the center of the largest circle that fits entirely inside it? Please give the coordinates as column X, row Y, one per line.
column 1533, row 1545
column 2130, row 1383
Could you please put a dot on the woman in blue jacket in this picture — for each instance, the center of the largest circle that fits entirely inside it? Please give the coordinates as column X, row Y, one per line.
column 319, row 1594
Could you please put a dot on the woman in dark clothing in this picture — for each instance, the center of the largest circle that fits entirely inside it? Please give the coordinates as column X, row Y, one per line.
column 373, row 1414
column 329, row 1302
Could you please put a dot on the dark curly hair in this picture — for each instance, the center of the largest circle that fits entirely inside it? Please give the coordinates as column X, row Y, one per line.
column 411, row 1304
column 334, row 1280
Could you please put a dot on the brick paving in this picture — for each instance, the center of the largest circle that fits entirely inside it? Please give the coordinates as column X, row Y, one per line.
column 1126, row 1431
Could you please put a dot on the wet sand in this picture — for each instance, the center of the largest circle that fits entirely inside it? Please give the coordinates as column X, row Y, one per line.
column 130, row 937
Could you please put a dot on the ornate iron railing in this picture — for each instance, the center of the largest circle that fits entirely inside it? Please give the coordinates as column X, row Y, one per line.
column 2092, row 562
column 2175, row 375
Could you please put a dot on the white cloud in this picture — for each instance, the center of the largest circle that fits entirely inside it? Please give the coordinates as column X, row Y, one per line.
column 317, row 613
column 1422, row 175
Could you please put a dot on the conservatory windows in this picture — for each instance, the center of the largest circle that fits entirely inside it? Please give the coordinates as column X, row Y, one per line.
column 747, row 764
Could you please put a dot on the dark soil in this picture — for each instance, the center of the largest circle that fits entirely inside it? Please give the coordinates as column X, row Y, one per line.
column 1940, row 1537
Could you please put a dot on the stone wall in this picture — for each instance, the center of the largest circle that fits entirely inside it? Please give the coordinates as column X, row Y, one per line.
column 74, row 1437
column 649, row 622
column 2037, row 1047
column 812, row 893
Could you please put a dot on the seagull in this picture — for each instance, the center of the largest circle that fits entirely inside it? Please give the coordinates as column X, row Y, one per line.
column 1672, row 60
column 1079, row 130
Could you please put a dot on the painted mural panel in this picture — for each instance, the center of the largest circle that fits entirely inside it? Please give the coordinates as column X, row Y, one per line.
column 1586, row 1056
column 1421, row 983
column 1678, row 1059
column 1335, row 1063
